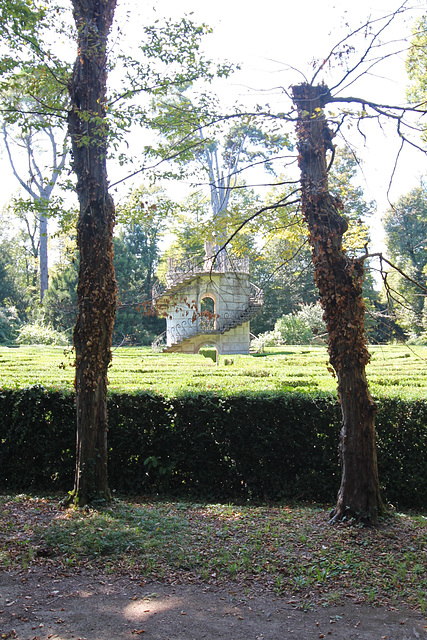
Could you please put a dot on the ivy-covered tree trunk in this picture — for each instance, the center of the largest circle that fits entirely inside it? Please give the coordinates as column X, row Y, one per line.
column 44, row 278
column 339, row 279
column 96, row 289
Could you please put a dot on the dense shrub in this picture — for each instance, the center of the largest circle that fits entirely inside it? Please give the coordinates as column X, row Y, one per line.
column 299, row 327
column 272, row 446
column 139, row 441
column 402, row 450
column 37, row 438
column 9, row 325
column 39, row 333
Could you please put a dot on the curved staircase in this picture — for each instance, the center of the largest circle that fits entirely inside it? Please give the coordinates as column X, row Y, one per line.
column 181, row 274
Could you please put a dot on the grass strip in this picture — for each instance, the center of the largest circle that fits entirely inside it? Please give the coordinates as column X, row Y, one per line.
column 287, row 550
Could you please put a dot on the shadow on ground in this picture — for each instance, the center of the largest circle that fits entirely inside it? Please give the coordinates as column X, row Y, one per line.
column 38, row 605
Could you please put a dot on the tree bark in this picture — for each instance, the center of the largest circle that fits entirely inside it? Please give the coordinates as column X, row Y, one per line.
column 44, row 271
column 96, row 289
column 339, row 279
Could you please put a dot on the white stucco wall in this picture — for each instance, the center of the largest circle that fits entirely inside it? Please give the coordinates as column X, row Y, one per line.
column 230, row 292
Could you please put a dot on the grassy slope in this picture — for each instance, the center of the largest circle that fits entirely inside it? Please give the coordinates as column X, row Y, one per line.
column 394, row 370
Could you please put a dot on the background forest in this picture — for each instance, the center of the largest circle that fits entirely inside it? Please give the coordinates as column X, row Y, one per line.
column 212, row 160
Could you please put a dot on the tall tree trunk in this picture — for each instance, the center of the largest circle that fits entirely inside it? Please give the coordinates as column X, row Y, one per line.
column 339, row 279
column 96, row 289
column 44, row 277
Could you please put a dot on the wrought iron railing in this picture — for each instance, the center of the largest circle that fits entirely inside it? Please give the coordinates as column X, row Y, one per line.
column 159, row 343
column 220, row 324
column 256, row 295
column 181, row 270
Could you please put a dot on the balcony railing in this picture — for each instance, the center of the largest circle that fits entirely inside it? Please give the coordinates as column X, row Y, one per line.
column 180, row 270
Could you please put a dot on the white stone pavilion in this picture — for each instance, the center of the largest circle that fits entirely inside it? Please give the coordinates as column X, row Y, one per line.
column 207, row 300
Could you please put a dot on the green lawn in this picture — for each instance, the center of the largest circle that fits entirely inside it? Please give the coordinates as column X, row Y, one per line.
column 394, row 370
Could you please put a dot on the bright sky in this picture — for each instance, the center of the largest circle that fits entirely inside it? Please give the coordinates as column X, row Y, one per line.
column 275, row 40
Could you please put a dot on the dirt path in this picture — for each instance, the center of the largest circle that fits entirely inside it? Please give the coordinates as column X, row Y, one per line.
column 42, row 606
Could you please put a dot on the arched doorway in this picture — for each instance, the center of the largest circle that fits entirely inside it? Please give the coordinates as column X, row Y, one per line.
column 210, row 351
column 208, row 313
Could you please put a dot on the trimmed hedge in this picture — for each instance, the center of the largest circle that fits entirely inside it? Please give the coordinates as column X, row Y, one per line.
column 273, row 446
column 37, row 439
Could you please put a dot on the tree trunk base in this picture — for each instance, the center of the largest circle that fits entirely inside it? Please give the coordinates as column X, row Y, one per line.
column 79, row 499
column 367, row 518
